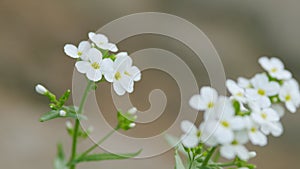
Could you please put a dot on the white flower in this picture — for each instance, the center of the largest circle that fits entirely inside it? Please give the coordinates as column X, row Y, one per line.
column 206, row 100
column 236, row 148
column 94, row 66
column 190, row 139
column 74, row 52
column 237, row 92
column 253, row 130
column 40, row 89
column 226, row 122
column 262, row 89
column 101, row 41
column 268, row 119
column 275, row 68
column 62, row 113
column 124, row 74
column 289, row 94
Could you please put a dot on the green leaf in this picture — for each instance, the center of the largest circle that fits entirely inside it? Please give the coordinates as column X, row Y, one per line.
column 106, row 156
column 178, row 161
column 59, row 162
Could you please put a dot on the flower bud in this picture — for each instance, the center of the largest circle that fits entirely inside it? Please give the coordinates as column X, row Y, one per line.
column 252, row 154
column 62, row 113
column 133, row 110
column 131, row 125
column 40, row 89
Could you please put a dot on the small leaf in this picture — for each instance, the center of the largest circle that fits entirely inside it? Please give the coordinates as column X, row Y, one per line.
column 50, row 115
column 59, row 162
column 106, row 156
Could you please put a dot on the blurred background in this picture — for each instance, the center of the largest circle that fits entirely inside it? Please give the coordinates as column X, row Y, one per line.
column 32, row 36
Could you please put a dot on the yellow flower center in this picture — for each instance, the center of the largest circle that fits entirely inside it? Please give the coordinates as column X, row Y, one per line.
column 264, row 115
column 79, row 53
column 234, row 142
column 118, row 76
column 210, row 105
column 288, row 97
column 274, row 70
column 261, row 92
column 96, row 65
column 126, row 73
column 239, row 94
column 225, row 124
column 253, row 130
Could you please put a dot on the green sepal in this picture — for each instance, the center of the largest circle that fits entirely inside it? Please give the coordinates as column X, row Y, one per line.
column 124, row 120
column 106, row 156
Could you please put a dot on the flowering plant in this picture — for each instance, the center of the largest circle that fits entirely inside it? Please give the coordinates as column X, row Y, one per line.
column 251, row 113
column 98, row 61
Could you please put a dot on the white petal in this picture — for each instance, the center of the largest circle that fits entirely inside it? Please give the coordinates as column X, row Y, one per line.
column 122, row 63
column 209, row 93
column 82, row 66
column 189, row 141
column 94, row 75
column 290, row 106
column 112, row 47
column 276, row 63
column 135, row 73
column 118, row 88
column 107, row 66
column 224, row 136
column 71, row 50
column 197, row 103
column 188, row 127
column 94, row 55
column 237, row 123
column 84, row 46
column 258, row 138
column 227, row 151
column 272, row 88
column 242, row 152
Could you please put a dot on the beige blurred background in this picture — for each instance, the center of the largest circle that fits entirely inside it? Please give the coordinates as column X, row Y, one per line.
column 32, row 36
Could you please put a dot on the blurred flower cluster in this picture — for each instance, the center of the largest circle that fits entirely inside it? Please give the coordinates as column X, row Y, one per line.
column 251, row 112
column 97, row 58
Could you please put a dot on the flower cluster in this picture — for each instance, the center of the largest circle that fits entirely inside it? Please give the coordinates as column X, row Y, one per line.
column 251, row 113
column 97, row 58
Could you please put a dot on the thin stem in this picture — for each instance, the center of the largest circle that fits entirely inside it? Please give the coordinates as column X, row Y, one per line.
column 77, row 123
column 217, row 156
column 210, row 153
column 99, row 142
column 224, row 164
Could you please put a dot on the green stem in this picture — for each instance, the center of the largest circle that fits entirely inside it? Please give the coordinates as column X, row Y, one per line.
column 98, row 143
column 210, row 153
column 77, row 123
column 223, row 165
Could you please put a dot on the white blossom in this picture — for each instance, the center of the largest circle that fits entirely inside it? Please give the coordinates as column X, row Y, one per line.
column 275, row 68
column 204, row 101
column 244, row 83
column 94, row 67
column 290, row 95
column 253, row 130
column 74, row 52
column 236, row 148
column 191, row 135
column 102, row 42
column 62, row 113
column 123, row 74
column 262, row 89
column 237, row 92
